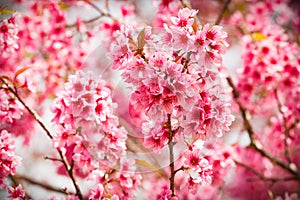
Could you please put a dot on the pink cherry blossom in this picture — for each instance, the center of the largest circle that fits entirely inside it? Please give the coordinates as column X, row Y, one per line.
column 8, row 160
column 91, row 135
column 185, row 18
column 16, row 193
column 9, row 35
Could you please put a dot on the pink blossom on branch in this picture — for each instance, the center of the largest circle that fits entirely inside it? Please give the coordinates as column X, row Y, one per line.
column 90, row 135
column 8, row 160
column 173, row 75
column 9, row 36
column 181, row 84
column 16, row 193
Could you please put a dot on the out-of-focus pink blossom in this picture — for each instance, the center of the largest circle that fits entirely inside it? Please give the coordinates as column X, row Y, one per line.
column 8, row 160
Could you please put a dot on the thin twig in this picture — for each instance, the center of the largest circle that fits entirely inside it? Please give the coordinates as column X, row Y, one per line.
column 42, row 124
column 16, row 183
column 221, row 14
column 84, row 21
column 293, row 125
column 171, row 151
column 101, row 14
column 179, row 169
column 31, row 111
column 253, row 143
column 98, row 9
column 41, row 184
column 53, row 159
column 262, row 177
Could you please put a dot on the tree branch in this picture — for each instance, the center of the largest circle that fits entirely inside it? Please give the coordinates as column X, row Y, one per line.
column 42, row 124
column 43, row 185
column 262, row 177
column 171, row 150
column 253, row 143
column 101, row 14
column 221, row 14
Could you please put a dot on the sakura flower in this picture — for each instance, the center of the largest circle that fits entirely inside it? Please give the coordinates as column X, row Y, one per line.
column 171, row 76
column 9, row 35
column 192, row 159
column 185, row 18
column 166, row 195
column 16, row 193
column 91, row 137
column 8, row 160
column 127, row 10
column 10, row 109
column 96, row 193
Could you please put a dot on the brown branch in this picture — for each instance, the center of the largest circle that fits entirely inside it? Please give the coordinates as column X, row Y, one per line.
column 42, row 124
column 102, row 14
column 16, row 183
column 31, row 112
column 253, row 143
column 40, row 184
column 84, row 21
column 262, row 177
column 98, row 9
column 171, row 150
column 179, row 169
column 221, row 14
column 293, row 125
column 53, row 159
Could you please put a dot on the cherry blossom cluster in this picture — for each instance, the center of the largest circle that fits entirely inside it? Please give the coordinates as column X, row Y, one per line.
column 46, row 47
column 8, row 35
column 175, row 85
column 13, row 117
column 10, row 109
column 45, row 44
column 111, row 25
column 173, row 73
column 203, row 170
column 90, row 135
column 270, row 59
column 199, row 169
column 178, row 107
column 165, row 10
column 270, row 69
column 9, row 161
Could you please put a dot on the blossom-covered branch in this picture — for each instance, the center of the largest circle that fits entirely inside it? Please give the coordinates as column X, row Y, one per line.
column 42, row 124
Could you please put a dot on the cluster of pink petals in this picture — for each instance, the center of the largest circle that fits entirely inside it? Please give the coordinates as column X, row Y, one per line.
column 13, row 118
column 270, row 60
column 45, row 44
column 10, row 109
column 174, row 74
column 8, row 160
column 90, row 132
column 165, row 10
column 287, row 196
column 16, row 193
column 47, row 47
column 9, row 35
column 199, row 169
column 166, row 194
